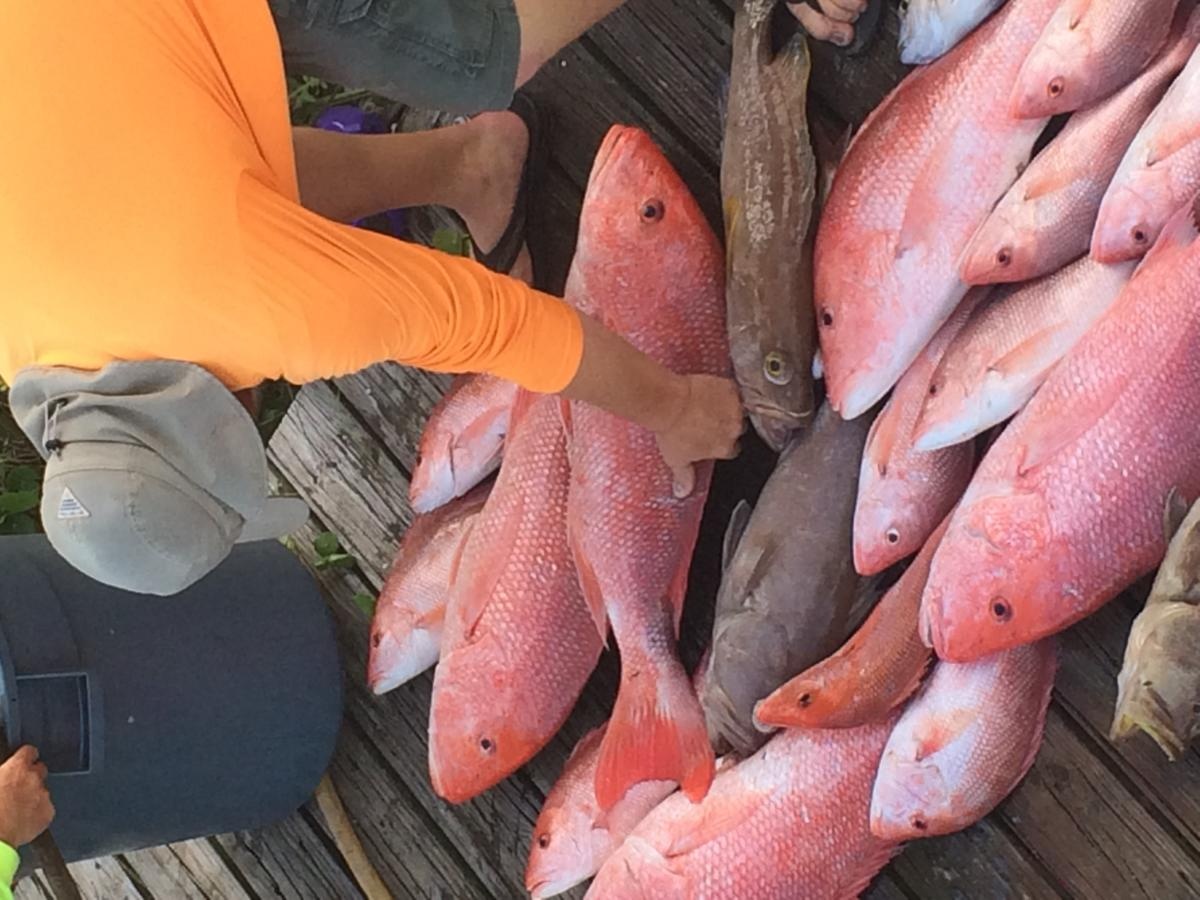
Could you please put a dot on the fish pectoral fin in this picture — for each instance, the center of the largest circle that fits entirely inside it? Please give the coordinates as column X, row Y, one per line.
column 882, row 438
column 1036, row 354
column 1049, row 435
column 470, row 598
column 589, row 583
column 1175, row 510
column 942, row 176
column 704, row 823
column 734, row 531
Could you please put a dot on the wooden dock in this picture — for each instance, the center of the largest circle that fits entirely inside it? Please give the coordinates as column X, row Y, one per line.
column 1091, row 820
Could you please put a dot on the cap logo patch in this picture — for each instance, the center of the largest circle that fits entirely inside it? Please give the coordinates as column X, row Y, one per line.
column 69, row 507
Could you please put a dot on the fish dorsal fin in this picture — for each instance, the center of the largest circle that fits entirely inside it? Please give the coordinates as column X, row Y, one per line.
column 707, row 822
column 1033, row 356
column 734, row 531
column 1175, row 510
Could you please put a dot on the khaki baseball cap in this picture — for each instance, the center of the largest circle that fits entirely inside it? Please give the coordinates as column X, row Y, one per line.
column 154, row 470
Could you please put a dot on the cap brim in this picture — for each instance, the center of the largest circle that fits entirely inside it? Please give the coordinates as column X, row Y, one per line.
column 280, row 517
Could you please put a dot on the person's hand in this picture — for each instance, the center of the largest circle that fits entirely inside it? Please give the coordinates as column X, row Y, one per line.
column 706, row 423
column 25, row 807
column 833, row 21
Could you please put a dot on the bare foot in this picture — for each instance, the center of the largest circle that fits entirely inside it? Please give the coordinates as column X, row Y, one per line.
column 495, row 159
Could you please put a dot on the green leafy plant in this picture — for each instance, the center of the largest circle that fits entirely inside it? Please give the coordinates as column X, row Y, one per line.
column 308, row 97
column 330, row 553
column 20, row 476
column 366, row 603
column 452, row 241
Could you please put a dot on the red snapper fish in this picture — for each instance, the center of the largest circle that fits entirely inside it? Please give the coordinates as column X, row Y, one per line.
column 963, row 744
column 1090, row 49
column 463, row 440
column 519, row 643
column 406, row 632
column 631, row 537
column 1010, row 346
column 1064, row 511
column 573, row 838
column 904, row 493
column 1159, row 174
column 873, row 672
column 1046, row 220
column 789, row 822
column 916, row 183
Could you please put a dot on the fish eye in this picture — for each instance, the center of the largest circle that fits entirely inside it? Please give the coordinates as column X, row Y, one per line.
column 652, row 211
column 805, row 700
column 487, row 745
column 1056, row 87
column 893, row 536
column 1001, row 611
column 1004, row 256
column 826, row 317
column 1140, row 236
column 776, row 368
column 377, row 639
column 919, row 823
column 543, row 840
column 933, row 389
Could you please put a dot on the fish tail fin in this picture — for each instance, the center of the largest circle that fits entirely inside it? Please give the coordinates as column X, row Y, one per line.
column 657, row 732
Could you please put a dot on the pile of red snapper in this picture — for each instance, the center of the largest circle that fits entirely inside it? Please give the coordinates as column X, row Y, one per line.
column 963, row 288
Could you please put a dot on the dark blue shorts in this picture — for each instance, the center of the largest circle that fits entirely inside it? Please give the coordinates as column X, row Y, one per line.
column 459, row 56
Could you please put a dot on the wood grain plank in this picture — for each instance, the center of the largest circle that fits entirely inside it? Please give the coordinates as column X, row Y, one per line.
column 190, row 869
column 980, row 863
column 1086, row 690
column 1089, row 830
column 288, row 860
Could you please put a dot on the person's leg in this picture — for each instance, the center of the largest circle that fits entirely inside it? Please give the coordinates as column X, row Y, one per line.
column 473, row 168
column 549, row 25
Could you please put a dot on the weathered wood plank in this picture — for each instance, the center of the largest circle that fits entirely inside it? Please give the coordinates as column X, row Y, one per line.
column 1089, row 830
column 1086, row 690
column 97, row 879
column 980, row 863
column 407, row 848
column 288, row 860
column 584, row 98
column 191, row 869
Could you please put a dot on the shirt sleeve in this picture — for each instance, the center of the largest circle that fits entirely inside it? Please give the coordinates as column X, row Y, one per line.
column 9, row 862
column 345, row 298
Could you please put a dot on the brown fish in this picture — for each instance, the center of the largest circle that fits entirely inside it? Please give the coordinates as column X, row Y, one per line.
column 790, row 595
column 1159, row 683
column 768, row 184
column 873, row 673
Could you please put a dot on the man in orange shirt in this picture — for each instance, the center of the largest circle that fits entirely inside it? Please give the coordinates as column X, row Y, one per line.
column 188, row 250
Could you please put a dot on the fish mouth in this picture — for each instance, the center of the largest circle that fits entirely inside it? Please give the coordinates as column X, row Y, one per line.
column 617, row 135
column 774, row 425
column 1148, row 712
column 549, row 887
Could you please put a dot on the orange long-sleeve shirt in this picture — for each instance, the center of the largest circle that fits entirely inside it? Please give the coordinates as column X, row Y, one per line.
column 149, row 209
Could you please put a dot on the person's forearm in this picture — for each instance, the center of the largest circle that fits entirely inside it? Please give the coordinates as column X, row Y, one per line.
column 619, row 379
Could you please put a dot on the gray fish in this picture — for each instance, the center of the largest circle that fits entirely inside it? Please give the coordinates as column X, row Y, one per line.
column 1158, row 688
column 768, row 186
column 789, row 596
